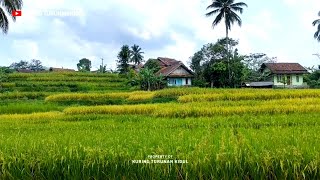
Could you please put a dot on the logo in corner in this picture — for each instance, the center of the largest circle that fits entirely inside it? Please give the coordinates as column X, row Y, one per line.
column 16, row 13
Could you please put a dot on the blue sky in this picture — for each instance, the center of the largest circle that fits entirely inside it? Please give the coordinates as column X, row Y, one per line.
column 163, row 28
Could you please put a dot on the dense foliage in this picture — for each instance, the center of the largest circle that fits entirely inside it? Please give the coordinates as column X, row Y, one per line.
column 84, row 65
column 33, row 65
column 313, row 79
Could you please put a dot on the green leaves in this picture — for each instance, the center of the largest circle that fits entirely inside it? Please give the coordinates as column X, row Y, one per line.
column 84, row 65
column 317, row 23
column 124, row 57
column 136, row 53
column 226, row 11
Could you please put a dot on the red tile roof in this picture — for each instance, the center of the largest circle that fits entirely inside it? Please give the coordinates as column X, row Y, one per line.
column 166, row 61
column 169, row 65
column 285, row 68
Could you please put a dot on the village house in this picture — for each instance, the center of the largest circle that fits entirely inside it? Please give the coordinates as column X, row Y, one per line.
column 175, row 72
column 52, row 69
column 288, row 75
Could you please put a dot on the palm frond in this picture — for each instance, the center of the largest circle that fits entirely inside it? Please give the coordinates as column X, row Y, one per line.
column 316, row 22
column 214, row 5
column 11, row 5
column 4, row 23
column 235, row 17
column 237, row 9
column 229, row 2
column 239, row 4
column 218, row 19
column 213, row 12
column 317, row 33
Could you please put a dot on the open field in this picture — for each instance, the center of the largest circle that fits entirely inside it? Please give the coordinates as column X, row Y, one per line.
column 219, row 133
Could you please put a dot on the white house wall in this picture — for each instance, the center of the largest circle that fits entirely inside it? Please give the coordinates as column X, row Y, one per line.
column 294, row 81
column 183, row 81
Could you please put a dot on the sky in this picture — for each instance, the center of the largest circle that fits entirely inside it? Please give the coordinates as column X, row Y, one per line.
column 61, row 32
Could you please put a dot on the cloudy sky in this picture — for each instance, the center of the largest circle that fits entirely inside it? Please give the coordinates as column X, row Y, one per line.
column 162, row 28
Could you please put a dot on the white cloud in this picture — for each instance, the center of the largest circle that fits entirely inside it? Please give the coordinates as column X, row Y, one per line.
column 181, row 50
column 144, row 34
column 292, row 2
column 28, row 48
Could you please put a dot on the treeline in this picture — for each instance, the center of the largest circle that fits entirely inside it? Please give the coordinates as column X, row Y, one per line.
column 220, row 65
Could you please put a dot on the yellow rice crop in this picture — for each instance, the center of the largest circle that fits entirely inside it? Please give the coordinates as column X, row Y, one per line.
column 140, row 96
column 33, row 116
column 197, row 109
column 85, row 96
column 242, row 95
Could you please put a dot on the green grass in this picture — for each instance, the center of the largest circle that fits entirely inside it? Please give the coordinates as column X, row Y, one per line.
column 216, row 147
column 28, row 106
column 222, row 133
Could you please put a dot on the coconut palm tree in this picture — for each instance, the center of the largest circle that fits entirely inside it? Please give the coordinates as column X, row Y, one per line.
column 226, row 10
column 137, row 56
column 317, row 33
column 8, row 6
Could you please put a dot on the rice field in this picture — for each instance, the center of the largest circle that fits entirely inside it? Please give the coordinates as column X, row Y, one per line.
column 175, row 133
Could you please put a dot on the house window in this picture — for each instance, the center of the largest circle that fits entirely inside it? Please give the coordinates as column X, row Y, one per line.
column 175, row 81
column 279, row 78
column 187, row 81
column 171, row 81
column 297, row 78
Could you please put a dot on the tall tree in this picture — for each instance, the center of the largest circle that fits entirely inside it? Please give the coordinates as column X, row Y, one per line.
column 9, row 6
column 152, row 64
column 84, row 65
column 253, row 62
column 317, row 33
column 36, row 65
column 211, row 66
column 20, row 65
column 137, row 56
column 124, row 57
column 226, row 10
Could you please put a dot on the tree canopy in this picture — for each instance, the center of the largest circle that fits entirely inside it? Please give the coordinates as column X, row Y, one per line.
column 84, row 65
column 226, row 10
column 124, row 57
column 136, row 54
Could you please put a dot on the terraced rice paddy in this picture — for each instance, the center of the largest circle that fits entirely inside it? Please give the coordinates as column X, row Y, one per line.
column 120, row 134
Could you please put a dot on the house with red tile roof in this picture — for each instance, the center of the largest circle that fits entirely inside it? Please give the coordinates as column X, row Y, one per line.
column 285, row 74
column 175, row 72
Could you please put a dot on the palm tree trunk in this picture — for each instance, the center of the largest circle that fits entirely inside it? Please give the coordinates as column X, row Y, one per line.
column 228, row 59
